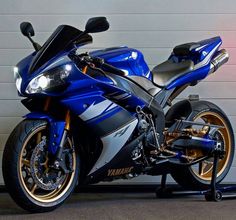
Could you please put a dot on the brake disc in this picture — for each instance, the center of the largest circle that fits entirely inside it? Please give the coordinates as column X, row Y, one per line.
column 46, row 177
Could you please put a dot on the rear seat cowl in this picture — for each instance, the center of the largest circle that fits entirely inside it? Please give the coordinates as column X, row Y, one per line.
column 185, row 49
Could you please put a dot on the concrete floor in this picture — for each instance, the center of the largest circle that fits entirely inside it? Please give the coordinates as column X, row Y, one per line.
column 126, row 206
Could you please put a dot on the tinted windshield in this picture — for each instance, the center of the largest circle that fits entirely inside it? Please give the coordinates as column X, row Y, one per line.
column 60, row 40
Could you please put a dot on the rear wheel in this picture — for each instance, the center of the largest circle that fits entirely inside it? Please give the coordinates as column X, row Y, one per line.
column 199, row 176
column 29, row 176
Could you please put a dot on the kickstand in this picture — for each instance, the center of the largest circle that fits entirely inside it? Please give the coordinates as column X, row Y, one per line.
column 163, row 191
column 213, row 194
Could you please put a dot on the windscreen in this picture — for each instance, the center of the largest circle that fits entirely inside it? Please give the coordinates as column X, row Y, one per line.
column 63, row 37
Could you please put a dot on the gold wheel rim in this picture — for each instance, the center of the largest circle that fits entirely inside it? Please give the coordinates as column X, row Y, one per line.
column 55, row 194
column 205, row 168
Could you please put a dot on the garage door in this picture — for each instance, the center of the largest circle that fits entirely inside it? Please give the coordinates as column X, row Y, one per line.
column 152, row 26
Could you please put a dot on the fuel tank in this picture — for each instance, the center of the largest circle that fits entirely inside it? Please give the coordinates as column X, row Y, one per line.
column 129, row 60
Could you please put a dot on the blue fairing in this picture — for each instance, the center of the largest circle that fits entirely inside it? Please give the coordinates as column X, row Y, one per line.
column 199, row 53
column 76, row 79
column 131, row 61
column 79, row 84
column 193, row 76
column 81, row 93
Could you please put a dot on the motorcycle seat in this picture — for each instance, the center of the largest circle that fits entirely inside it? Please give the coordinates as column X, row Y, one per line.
column 168, row 71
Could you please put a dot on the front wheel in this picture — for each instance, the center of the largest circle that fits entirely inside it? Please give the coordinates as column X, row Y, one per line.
column 199, row 176
column 31, row 180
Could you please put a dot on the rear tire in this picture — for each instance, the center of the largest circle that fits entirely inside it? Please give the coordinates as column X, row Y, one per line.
column 187, row 176
column 17, row 166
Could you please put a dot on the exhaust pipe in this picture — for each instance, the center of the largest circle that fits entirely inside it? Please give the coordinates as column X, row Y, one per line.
column 220, row 58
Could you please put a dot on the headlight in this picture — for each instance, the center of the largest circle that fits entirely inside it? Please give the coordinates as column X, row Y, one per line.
column 17, row 78
column 49, row 80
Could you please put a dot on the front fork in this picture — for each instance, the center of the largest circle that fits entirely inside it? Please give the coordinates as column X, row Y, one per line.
column 58, row 131
column 58, row 161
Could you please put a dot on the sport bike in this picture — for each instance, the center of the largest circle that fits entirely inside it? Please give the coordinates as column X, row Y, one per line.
column 103, row 116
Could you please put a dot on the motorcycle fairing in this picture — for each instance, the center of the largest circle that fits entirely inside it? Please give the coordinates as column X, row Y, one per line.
column 100, row 114
column 113, row 124
column 196, row 51
column 112, row 144
column 129, row 60
column 121, row 160
column 60, row 60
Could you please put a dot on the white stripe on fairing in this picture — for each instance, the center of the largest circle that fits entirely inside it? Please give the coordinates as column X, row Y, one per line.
column 199, row 48
column 120, row 96
column 148, row 74
column 207, row 58
column 113, row 93
column 95, row 110
column 112, row 144
column 113, row 105
column 126, row 97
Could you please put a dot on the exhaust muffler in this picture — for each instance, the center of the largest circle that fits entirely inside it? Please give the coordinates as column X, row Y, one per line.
column 221, row 58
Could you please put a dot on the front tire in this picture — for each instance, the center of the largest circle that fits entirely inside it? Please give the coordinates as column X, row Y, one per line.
column 29, row 178
column 199, row 177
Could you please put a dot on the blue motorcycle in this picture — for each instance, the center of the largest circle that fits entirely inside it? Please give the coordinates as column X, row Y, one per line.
column 103, row 116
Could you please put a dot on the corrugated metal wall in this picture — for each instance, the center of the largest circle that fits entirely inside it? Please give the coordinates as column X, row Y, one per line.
column 152, row 26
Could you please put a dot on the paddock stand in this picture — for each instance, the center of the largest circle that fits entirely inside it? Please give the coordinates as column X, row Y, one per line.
column 215, row 193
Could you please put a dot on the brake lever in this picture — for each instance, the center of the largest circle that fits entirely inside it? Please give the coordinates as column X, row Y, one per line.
column 98, row 62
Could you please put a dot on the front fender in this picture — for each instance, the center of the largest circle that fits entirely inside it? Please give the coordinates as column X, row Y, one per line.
column 39, row 115
column 56, row 129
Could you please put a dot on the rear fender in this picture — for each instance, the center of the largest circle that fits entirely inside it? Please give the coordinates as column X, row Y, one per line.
column 179, row 110
column 186, row 109
column 56, row 129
